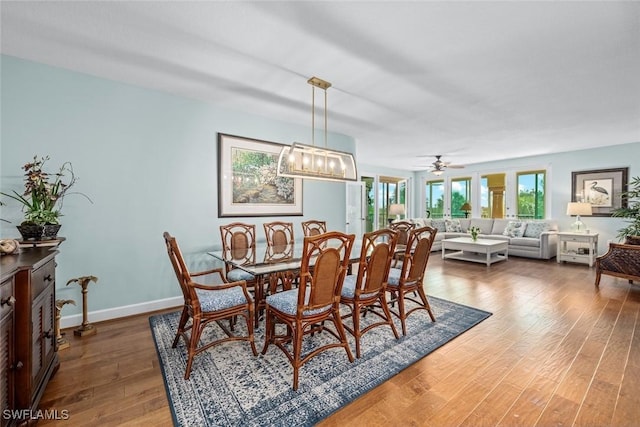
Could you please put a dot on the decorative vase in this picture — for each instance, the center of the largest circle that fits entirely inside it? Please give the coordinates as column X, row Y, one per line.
column 31, row 231
column 474, row 236
column 50, row 231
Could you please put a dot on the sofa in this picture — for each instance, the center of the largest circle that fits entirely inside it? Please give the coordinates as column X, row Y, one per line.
column 531, row 239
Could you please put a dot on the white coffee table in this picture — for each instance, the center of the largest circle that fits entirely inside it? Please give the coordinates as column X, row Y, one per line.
column 484, row 251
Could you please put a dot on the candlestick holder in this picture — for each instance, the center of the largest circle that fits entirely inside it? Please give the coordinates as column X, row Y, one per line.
column 60, row 339
column 86, row 328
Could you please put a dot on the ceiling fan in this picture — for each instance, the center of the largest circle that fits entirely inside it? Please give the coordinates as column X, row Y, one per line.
column 439, row 166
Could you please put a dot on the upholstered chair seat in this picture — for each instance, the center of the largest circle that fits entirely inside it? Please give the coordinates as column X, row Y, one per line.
column 287, row 302
column 220, row 300
column 239, row 274
column 349, row 288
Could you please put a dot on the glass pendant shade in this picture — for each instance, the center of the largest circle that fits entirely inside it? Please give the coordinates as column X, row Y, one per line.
column 312, row 162
column 306, row 161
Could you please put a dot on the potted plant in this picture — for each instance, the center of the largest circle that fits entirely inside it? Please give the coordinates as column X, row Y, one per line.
column 630, row 233
column 43, row 198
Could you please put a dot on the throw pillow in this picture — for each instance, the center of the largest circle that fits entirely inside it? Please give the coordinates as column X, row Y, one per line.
column 452, row 225
column 534, row 229
column 515, row 229
column 438, row 224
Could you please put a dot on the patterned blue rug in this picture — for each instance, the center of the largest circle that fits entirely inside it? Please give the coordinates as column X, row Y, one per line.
column 231, row 387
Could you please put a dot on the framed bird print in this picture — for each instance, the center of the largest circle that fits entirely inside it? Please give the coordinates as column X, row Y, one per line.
column 602, row 188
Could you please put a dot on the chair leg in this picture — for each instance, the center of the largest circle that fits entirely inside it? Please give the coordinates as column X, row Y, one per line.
column 184, row 318
column 356, row 326
column 402, row 312
column 249, row 319
column 337, row 322
column 297, row 353
column 269, row 330
column 387, row 312
column 259, row 296
column 425, row 301
column 193, row 345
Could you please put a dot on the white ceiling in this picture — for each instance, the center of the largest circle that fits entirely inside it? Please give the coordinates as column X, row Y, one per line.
column 474, row 81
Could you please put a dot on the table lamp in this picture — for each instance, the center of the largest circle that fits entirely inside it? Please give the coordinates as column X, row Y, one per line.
column 466, row 208
column 396, row 209
column 577, row 209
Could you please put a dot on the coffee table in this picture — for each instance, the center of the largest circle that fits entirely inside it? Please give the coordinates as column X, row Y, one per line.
column 485, row 251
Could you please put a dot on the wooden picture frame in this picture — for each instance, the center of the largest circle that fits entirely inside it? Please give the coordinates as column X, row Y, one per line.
column 602, row 188
column 247, row 180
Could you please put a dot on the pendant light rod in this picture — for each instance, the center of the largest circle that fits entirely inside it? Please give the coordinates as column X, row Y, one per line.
column 317, row 82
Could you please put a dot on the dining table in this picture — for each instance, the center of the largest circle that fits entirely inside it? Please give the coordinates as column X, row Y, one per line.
column 271, row 265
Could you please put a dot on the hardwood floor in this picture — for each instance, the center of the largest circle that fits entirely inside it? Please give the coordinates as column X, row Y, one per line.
column 557, row 351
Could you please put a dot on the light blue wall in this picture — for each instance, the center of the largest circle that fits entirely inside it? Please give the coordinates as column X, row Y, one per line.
column 148, row 161
column 559, row 167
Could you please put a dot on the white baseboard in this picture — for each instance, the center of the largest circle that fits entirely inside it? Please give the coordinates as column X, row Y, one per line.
column 124, row 311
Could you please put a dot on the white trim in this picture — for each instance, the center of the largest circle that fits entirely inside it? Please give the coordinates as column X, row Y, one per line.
column 124, row 311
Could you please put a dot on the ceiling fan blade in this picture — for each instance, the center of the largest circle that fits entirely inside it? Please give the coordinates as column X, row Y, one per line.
column 439, row 165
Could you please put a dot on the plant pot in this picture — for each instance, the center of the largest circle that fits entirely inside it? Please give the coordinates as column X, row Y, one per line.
column 632, row 240
column 50, row 231
column 31, row 231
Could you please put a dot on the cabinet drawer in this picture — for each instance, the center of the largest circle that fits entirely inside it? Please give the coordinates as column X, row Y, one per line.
column 574, row 258
column 6, row 292
column 41, row 278
column 580, row 239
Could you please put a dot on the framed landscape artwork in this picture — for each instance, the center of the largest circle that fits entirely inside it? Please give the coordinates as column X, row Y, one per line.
column 602, row 188
column 247, row 181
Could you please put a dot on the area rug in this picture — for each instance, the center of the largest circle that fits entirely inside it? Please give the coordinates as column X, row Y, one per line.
column 231, row 387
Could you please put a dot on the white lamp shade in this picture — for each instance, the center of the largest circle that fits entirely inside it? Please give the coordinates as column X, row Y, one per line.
column 579, row 208
column 396, row 209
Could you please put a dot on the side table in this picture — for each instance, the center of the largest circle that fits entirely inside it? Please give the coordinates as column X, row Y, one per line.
column 577, row 247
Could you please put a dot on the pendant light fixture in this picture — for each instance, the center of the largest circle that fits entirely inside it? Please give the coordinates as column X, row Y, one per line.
column 312, row 162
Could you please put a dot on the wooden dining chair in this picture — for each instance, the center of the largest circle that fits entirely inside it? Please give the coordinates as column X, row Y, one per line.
column 402, row 228
column 304, row 310
column 239, row 243
column 278, row 233
column 364, row 293
column 280, row 241
column 205, row 304
column 410, row 277
column 313, row 227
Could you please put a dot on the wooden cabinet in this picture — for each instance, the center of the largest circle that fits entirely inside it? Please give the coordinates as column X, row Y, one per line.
column 7, row 301
column 30, row 343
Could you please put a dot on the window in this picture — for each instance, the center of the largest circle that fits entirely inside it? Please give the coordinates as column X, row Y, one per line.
column 380, row 193
column 498, row 194
column 434, row 199
column 460, row 194
column 391, row 190
column 531, row 195
column 492, row 195
column 371, row 202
